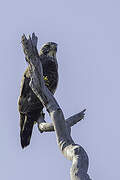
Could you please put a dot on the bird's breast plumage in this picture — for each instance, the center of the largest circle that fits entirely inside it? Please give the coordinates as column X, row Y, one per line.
column 50, row 71
column 28, row 101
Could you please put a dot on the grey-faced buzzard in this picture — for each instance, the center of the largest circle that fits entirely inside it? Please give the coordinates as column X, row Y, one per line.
column 29, row 105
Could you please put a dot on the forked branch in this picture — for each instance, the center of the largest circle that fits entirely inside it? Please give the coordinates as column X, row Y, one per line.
column 70, row 150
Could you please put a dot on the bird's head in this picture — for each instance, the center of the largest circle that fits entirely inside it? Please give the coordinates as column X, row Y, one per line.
column 49, row 49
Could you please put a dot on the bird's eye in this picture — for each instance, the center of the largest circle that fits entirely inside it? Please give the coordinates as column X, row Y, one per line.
column 47, row 46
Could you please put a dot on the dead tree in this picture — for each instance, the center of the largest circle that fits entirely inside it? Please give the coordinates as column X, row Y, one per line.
column 68, row 147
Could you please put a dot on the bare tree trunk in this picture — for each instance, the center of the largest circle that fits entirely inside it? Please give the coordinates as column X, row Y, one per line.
column 70, row 150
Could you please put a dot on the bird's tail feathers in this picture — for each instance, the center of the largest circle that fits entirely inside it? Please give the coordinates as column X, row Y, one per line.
column 26, row 131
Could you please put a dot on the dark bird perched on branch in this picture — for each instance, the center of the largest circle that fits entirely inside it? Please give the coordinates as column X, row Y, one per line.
column 29, row 105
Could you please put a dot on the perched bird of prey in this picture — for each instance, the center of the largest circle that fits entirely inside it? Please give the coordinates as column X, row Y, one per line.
column 29, row 105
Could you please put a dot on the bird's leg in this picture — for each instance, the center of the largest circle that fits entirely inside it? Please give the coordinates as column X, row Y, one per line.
column 41, row 120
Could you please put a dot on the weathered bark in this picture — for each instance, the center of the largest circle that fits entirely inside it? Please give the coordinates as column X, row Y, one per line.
column 70, row 150
column 47, row 127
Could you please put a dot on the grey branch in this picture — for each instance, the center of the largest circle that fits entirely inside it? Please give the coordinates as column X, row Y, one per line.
column 48, row 127
column 70, row 150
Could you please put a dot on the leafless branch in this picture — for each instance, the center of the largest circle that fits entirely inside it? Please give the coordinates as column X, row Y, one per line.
column 70, row 150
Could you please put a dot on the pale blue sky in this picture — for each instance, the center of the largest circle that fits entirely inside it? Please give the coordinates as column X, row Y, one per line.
column 88, row 37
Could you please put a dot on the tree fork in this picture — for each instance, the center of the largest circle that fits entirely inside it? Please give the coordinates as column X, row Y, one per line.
column 48, row 127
